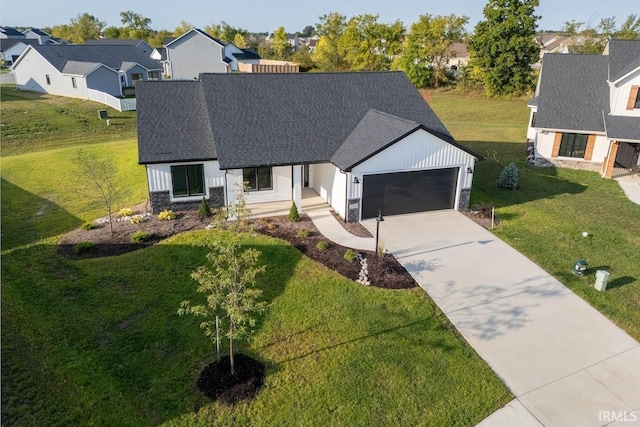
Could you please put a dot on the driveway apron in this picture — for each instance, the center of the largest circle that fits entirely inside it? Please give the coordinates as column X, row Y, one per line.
column 566, row 363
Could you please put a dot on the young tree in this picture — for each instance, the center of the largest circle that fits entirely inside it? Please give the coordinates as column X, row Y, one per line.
column 367, row 45
column 327, row 56
column 503, row 47
column 280, row 45
column 84, row 27
column 98, row 178
column 427, row 48
column 240, row 41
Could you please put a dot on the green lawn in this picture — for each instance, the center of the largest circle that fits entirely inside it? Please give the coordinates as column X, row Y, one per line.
column 34, row 121
column 98, row 342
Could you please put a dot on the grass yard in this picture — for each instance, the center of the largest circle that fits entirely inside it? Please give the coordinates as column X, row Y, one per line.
column 545, row 217
column 34, row 121
column 98, row 342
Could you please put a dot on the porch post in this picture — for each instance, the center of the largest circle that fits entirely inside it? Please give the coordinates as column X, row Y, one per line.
column 297, row 186
column 610, row 160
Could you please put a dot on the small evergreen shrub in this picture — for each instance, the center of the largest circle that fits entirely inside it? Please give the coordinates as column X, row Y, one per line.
column 140, row 236
column 89, row 226
column 204, row 210
column 166, row 215
column 125, row 212
column 84, row 247
column 304, row 233
column 322, row 245
column 350, row 255
column 294, row 216
column 509, row 177
column 136, row 219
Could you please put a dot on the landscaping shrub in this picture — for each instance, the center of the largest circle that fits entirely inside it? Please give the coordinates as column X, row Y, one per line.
column 204, row 210
column 89, row 226
column 304, row 233
column 84, row 247
column 125, row 212
column 323, row 245
column 140, row 236
column 137, row 219
column 166, row 215
column 350, row 255
column 272, row 226
column 509, row 177
column 294, row 216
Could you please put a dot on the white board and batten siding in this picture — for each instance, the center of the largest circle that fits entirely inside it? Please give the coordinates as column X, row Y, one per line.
column 281, row 186
column 545, row 141
column 330, row 184
column 418, row 151
column 619, row 95
column 159, row 178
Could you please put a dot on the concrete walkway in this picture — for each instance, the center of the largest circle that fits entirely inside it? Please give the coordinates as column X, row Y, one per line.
column 631, row 188
column 566, row 364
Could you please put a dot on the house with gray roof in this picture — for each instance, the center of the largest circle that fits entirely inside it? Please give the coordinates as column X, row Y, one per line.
column 102, row 73
column 11, row 49
column 586, row 110
column 363, row 141
column 140, row 44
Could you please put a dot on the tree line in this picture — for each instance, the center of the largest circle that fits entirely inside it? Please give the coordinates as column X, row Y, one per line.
column 501, row 47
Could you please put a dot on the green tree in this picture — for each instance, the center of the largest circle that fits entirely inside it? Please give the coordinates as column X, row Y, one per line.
column 307, row 31
column 181, row 29
column 427, row 48
column 136, row 26
column 327, row 56
column 240, row 41
column 224, row 31
column 280, row 45
column 630, row 29
column 367, row 45
column 503, row 47
column 113, row 32
column 158, row 37
column 303, row 58
column 84, row 27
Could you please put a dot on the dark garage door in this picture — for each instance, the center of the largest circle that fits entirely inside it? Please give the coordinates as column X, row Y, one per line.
column 409, row 192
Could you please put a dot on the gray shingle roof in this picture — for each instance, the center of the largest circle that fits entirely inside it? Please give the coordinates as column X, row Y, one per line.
column 6, row 44
column 113, row 42
column 173, row 124
column 573, row 92
column 274, row 119
column 622, row 128
column 109, row 55
column 375, row 132
column 624, row 57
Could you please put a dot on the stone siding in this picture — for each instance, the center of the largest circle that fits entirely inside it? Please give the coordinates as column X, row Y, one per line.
column 353, row 210
column 161, row 200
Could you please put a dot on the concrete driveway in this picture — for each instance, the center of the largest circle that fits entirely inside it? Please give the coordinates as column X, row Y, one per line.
column 566, row 363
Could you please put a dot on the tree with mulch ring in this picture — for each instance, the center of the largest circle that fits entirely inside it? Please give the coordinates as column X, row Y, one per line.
column 217, row 383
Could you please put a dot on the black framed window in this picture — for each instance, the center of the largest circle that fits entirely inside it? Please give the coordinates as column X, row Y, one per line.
column 533, row 119
column 187, row 180
column 257, row 179
column 573, row 145
column 73, row 83
column 135, row 77
column 637, row 104
column 48, row 79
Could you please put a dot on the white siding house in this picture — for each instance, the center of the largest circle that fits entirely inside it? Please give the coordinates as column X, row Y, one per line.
column 193, row 53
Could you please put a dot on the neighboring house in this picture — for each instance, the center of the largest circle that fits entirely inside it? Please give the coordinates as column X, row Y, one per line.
column 363, row 141
column 586, row 110
column 11, row 49
column 10, row 33
column 142, row 45
column 87, row 72
column 461, row 58
column 193, row 53
column 41, row 36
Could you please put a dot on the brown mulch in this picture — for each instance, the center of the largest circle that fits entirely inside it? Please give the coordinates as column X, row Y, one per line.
column 384, row 271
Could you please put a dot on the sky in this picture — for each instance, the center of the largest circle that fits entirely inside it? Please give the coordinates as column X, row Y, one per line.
column 268, row 15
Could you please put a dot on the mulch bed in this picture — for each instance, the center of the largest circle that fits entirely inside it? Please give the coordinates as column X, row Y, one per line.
column 384, row 272
column 217, row 383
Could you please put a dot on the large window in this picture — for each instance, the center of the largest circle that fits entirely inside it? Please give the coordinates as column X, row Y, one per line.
column 188, row 180
column 135, row 77
column 154, row 75
column 573, row 145
column 257, row 178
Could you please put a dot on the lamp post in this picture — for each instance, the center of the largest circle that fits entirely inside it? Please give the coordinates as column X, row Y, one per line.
column 379, row 218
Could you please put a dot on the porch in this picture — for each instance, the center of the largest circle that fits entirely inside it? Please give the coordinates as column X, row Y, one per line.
column 311, row 202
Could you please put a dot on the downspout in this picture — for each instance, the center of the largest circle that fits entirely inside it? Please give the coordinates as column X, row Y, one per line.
column 346, row 197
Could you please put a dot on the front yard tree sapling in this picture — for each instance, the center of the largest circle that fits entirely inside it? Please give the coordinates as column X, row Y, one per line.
column 228, row 281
